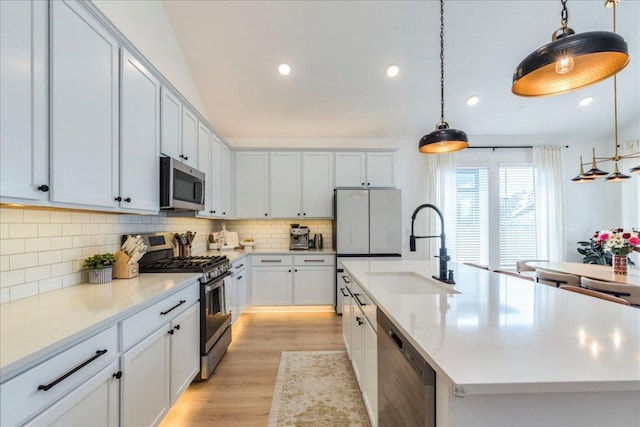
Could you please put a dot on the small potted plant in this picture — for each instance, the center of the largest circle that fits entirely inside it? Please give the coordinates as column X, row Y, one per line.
column 100, row 267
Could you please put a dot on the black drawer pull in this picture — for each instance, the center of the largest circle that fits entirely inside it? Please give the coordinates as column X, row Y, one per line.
column 346, row 279
column 73, row 371
column 182, row 301
column 239, row 277
column 358, row 299
column 240, row 266
column 343, row 293
column 313, row 260
column 270, row 260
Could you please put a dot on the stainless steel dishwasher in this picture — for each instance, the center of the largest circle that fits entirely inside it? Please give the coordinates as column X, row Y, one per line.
column 406, row 382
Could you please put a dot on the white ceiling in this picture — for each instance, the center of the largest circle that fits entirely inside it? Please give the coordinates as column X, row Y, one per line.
column 338, row 51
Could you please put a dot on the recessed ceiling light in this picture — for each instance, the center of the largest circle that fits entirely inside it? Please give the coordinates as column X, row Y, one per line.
column 586, row 101
column 473, row 100
column 284, row 69
column 393, row 70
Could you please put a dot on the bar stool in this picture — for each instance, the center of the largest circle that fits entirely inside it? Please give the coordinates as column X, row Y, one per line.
column 552, row 278
column 595, row 294
column 630, row 293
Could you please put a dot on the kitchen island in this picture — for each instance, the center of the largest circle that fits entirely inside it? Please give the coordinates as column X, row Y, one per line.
column 512, row 352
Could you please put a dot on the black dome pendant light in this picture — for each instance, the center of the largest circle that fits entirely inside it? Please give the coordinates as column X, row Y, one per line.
column 443, row 139
column 570, row 61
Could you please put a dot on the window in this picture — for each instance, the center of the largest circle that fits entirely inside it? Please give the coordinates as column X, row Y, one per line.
column 500, row 235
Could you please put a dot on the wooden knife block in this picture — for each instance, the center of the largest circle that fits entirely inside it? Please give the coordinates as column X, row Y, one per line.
column 122, row 269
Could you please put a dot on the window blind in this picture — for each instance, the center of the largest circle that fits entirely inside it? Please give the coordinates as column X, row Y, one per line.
column 472, row 215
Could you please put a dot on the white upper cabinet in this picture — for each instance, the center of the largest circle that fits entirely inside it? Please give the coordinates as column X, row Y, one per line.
column 216, row 177
column 189, row 137
column 365, row 169
column 227, row 207
column 317, row 185
column 140, row 136
column 380, row 169
column 285, row 185
column 24, row 148
column 84, row 108
column 252, row 184
column 204, row 165
column 171, row 142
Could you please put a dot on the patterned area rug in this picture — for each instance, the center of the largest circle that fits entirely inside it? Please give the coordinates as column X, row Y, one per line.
column 316, row 388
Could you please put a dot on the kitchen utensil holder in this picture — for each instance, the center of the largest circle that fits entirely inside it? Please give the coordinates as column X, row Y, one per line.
column 122, row 268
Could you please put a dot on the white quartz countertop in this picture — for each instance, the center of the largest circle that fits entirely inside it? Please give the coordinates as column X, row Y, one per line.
column 35, row 327
column 501, row 334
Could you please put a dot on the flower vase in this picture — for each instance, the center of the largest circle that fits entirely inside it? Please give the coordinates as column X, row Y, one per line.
column 620, row 264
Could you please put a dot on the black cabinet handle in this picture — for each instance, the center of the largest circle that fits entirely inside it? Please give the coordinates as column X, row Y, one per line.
column 345, row 278
column 177, row 327
column 239, row 277
column 289, row 271
column 266, row 214
column 270, row 260
column 304, row 214
column 240, row 266
column 362, row 183
column 313, row 260
column 358, row 299
column 44, row 188
column 118, row 199
column 162, row 313
column 343, row 293
column 212, row 212
column 128, row 200
column 296, row 270
column 186, row 157
column 224, row 213
column 368, row 183
column 181, row 156
column 73, row 371
column 170, row 331
column 359, row 320
column 298, row 213
column 117, row 375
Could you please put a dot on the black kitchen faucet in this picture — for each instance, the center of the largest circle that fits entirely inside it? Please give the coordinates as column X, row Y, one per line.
column 442, row 276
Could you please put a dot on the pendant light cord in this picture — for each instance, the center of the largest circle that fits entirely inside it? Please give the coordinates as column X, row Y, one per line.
column 442, row 61
column 615, row 93
column 564, row 16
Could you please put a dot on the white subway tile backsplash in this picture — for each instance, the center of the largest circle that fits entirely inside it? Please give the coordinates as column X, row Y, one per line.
column 58, row 217
column 5, row 295
column 38, row 244
column 61, row 242
column 23, row 230
column 50, row 230
column 71, row 279
column 12, row 278
column 11, row 246
column 23, row 261
column 37, row 273
column 72, row 229
column 71, row 254
column 11, row 216
column 61, row 268
column 81, row 241
column 80, row 217
column 49, row 257
column 4, row 231
column 24, row 290
column 50, row 284
column 98, row 218
column 36, row 216
column 4, row 263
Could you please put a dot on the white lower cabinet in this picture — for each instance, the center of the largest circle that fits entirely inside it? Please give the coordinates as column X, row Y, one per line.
column 94, row 403
column 158, row 370
column 299, row 280
column 361, row 342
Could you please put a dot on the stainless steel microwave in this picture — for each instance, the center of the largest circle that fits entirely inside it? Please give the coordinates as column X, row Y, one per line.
column 181, row 186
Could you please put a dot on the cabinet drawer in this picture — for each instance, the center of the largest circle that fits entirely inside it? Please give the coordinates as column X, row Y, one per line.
column 239, row 264
column 267, row 260
column 143, row 323
column 21, row 397
column 307, row 260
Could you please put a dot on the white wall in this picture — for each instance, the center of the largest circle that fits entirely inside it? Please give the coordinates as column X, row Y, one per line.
column 145, row 24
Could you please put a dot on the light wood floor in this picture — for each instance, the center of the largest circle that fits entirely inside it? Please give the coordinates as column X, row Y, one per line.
column 239, row 392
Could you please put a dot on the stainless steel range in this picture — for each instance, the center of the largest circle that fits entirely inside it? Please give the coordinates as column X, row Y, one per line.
column 215, row 318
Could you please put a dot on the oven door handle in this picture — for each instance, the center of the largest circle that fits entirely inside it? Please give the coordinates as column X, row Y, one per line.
column 217, row 282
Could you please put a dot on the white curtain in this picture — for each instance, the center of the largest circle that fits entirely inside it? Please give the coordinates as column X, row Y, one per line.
column 550, row 198
column 440, row 181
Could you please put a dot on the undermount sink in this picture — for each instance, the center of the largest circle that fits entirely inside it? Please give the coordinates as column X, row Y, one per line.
column 407, row 283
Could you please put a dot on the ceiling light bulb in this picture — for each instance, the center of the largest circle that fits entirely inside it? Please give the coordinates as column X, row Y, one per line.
column 393, row 70
column 284, row 69
column 564, row 65
column 586, row 101
column 473, row 100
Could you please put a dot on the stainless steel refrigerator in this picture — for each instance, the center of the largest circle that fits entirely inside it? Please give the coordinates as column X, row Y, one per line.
column 367, row 224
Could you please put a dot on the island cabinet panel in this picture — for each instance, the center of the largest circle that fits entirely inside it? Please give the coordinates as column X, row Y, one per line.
column 45, row 384
column 24, row 151
column 94, row 403
column 84, row 108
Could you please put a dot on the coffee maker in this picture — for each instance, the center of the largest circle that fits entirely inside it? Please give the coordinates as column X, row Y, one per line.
column 298, row 237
